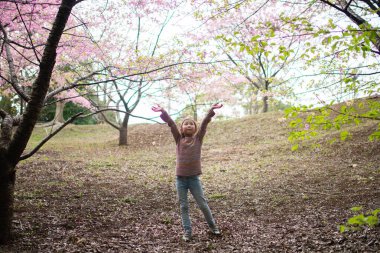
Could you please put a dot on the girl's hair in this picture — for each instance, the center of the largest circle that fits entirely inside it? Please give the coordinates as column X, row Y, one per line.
column 188, row 119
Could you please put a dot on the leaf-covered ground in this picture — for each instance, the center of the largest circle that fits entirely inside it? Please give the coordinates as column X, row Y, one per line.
column 83, row 193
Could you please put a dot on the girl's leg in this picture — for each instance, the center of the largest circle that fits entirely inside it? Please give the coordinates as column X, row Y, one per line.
column 197, row 192
column 182, row 189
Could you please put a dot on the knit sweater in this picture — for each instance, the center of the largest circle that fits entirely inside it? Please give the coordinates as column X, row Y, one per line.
column 188, row 149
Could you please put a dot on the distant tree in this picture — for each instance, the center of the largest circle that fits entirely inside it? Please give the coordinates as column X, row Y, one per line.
column 260, row 47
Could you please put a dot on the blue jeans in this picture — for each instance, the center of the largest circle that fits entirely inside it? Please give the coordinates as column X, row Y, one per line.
column 184, row 184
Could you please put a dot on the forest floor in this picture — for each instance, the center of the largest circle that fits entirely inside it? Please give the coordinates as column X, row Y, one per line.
column 84, row 193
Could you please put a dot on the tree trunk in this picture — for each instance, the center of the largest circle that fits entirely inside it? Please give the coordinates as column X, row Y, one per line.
column 256, row 102
column 195, row 112
column 21, row 105
column 7, row 182
column 265, row 104
column 58, row 118
column 250, row 107
column 123, row 132
column 12, row 146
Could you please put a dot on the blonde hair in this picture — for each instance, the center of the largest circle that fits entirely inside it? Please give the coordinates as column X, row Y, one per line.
column 188, row 119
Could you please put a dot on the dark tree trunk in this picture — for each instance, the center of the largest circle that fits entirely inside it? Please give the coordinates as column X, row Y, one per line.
column 123, row 132
column 12, row 146
column 7, row 182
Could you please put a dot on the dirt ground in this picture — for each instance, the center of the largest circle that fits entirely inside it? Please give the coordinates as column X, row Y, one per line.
column 83, row 193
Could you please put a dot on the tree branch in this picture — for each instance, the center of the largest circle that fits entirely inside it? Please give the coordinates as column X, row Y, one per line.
column 14, row 80
column 75, row 84
column 29, row 34
column 46, row 139
column 41, row 84
column 109, row 122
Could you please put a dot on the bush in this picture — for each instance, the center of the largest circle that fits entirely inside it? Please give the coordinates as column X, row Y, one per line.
column 361, row 220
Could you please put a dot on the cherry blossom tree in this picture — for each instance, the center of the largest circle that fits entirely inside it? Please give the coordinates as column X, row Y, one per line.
column 258, row 44
column 43, row 49
column 49, row 52
column 338, row 58
column 138, row 51
column 199, row 86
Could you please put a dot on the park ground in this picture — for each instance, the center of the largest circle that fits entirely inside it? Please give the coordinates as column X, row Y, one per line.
column 84, row 193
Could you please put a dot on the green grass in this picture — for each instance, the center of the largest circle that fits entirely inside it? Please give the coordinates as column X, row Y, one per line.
column 84, row 135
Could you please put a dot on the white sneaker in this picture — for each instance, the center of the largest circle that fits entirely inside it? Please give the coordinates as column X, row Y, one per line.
column 215, row 231
column 186, row 236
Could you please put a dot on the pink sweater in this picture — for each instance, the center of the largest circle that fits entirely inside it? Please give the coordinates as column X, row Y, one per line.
column 188, row 148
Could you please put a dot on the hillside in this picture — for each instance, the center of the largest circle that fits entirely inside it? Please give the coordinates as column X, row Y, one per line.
column 84, row 193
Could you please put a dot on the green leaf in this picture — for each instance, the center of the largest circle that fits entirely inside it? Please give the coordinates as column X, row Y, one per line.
column 357, row 220
column 343, row 228
column 356, row 208
column 376, row 211
column 344, row 135
column 374, row 136
column 332, row 141
column 372, row 221
column 295, row 147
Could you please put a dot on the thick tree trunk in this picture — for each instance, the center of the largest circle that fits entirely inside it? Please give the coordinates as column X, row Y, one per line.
column 123, row 132
column 7, row 182
column 58, row 118
column 265, row 104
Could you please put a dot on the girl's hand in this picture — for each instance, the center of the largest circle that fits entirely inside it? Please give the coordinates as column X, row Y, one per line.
column 157, row 108
column 216, row 106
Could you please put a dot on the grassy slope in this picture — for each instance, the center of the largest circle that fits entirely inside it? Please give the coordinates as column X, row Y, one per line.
column 85, row 192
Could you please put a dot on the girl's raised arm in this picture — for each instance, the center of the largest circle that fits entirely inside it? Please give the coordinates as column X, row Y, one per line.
column 165, row 117
column 207, row 119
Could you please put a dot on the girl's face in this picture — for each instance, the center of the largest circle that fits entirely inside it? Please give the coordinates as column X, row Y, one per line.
column 188, row 127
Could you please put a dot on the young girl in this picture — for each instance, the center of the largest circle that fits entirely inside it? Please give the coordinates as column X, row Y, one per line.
column 188, row 166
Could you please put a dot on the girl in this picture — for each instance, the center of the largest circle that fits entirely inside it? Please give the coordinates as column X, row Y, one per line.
column 188, row 166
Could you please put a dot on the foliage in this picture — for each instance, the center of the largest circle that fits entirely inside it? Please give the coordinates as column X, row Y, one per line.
column 307, row 122
column 7, row 104
column 47, row 113
column 361, row 220
column 71, row 109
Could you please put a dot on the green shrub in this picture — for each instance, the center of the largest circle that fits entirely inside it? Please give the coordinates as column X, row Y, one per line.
column 361, row 220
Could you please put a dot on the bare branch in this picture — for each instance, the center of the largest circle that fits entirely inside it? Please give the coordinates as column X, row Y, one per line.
column 167, row 19
column 29, row 33
column 14, row 80
column 104, row 116
column 24, row 47
column 75, row 84
column 26, row 156
column 347, row 5
column 117, row 110
column 109, row 122
column 246, row 76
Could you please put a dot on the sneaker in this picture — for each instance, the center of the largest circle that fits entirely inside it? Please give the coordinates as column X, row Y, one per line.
column 186, row 236
column 215, row 231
